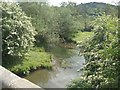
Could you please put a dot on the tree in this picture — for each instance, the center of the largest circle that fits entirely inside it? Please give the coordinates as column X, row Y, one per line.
column 67, row 24
column 51, row 23
column 101, row 54
column 17, row 31
column 44, row 19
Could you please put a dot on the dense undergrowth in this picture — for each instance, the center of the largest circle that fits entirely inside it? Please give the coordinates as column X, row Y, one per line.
column 82, row 36
column 36, row 58
column 101, row 53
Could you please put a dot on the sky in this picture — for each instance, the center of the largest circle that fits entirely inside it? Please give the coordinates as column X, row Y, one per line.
column 57, row 2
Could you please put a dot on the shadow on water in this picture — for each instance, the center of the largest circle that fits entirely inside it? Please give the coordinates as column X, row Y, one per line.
column 65, row 69
column 60, row 51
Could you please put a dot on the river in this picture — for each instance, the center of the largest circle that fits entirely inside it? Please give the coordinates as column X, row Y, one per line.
column 67, row 63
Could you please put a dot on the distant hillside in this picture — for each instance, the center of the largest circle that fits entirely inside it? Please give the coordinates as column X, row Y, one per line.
column 95, row 9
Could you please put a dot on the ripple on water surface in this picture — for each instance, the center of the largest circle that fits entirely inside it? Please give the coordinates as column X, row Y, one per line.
column 60, row 76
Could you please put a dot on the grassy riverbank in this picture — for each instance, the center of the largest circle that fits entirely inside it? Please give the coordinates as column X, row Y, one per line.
column 82, row 36
column 36, row 58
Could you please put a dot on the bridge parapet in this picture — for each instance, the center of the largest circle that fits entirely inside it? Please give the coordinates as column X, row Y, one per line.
column 10, row 80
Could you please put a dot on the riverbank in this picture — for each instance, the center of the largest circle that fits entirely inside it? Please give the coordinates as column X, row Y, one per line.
column 67, row 63
column 82, row 36
column 35, row 59
column 38, row 58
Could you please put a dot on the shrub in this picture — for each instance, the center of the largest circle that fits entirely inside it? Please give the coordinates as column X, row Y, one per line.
column 17, row 30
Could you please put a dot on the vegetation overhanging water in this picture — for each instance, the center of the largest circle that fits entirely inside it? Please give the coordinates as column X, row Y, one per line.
column 66, row 67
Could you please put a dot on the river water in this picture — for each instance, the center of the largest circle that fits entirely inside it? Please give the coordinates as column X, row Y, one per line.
column 67, row 63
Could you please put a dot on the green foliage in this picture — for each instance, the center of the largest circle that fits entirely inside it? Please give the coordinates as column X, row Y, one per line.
column 90, row 11
column 83, row 36
column 55, row 24
column 36, row 58
column 52, row 23
column 17, row 30
column 67, row 23
column 79, row 83
column 44, row 19
column 94, row 9
column 101, row 54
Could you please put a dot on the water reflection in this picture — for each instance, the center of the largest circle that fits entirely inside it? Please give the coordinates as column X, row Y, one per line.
column 60, row 76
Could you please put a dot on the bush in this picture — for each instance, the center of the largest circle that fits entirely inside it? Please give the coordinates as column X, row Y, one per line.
column 17, row 31
column 101, row 54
